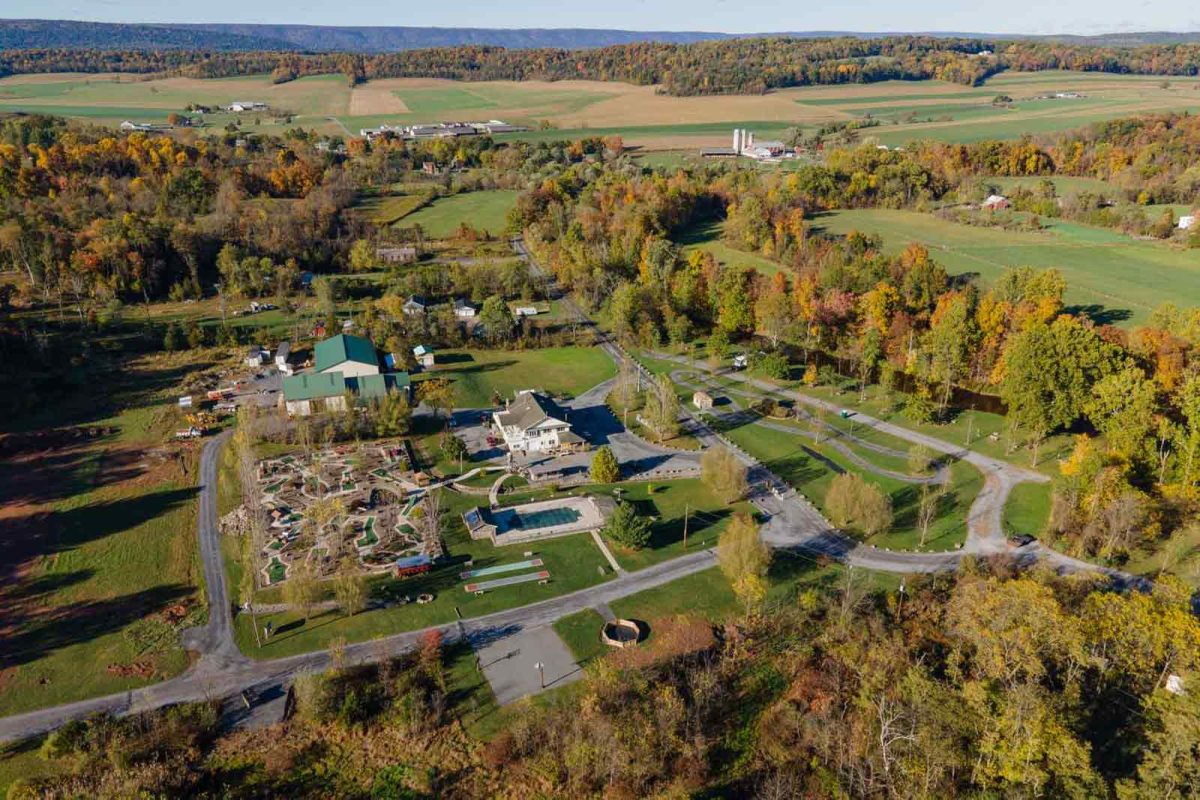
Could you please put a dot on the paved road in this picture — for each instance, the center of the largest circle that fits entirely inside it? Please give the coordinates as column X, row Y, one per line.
column 793, row 523
column 244, row 674
column 985, row 529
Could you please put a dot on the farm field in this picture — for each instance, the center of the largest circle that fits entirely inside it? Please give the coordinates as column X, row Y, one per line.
column 486, row 210
column 477, row 374
column 1115, row 277
column 101, row 563
column 905, row 109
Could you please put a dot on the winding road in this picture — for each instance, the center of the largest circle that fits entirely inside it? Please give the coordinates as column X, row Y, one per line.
column 221, row 670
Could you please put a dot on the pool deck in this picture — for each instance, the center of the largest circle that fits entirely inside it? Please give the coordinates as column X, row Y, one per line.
column 590, row 518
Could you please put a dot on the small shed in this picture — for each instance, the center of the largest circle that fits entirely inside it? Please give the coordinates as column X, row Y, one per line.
column 282, row 355
column 702, row 400
column 424, row 355
column 256, row 355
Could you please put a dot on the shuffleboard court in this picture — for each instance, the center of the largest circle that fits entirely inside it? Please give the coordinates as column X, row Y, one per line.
column 500, row 568
column 511, row 581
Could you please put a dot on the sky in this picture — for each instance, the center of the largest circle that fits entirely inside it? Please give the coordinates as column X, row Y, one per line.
column 735, row 16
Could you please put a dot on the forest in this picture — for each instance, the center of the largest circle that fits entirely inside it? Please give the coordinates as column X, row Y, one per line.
column 741, row 66
column 988, row 683
column 991, row 682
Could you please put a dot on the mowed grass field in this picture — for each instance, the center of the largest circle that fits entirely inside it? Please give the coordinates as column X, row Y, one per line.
column 477, row 374
column 1118, row 278
column 486, row 210
column 100, row 558
column 707, row 236
column 906, row 109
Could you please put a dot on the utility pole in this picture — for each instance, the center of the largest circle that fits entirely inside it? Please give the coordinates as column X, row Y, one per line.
column 685, row 524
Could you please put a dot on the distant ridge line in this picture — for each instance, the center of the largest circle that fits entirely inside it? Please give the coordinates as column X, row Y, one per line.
column 20, row 34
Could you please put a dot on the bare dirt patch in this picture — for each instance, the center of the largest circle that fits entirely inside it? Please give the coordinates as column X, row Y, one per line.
column 368, row 101
column 670, row 638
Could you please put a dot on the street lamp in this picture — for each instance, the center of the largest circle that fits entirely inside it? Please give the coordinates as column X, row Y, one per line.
column 541, row 668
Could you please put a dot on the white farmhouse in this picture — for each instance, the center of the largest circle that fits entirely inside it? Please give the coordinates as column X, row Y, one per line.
column 533, row 423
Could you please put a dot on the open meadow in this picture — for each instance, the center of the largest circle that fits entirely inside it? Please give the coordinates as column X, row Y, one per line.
column 98, row 527
column 484, row 210
column 905, row 110
column 1115, row 277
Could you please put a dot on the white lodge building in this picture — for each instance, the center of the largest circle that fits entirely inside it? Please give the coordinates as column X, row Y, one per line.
column 534, row 423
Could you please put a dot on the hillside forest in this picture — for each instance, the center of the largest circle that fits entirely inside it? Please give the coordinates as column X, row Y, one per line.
column 991, row 682
column 739, row 66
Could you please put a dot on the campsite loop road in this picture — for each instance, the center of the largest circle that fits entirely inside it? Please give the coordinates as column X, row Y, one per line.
column 793, row 523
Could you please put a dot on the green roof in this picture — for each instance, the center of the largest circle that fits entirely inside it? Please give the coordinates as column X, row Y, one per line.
column 311, row 386
column 342, row 348
column 373, row 387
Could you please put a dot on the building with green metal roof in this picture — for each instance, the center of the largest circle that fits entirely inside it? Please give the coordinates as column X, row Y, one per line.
column 352, row 356
column 312, row 392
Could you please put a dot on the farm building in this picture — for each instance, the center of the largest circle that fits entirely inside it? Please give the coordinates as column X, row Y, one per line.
column 348, row 356
column 534, row 423
column 312, row 393
column 995, row 202
column 144, row 127
column 405, row 254
column 702, row 400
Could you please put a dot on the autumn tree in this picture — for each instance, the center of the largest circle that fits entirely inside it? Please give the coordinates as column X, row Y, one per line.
column 438, row 394
column 661, row 409
column 604, row 466
column 301, row 590
column 851, row 501
column 744, row 560
column 723, row 473
column 393, row 414
column 349, row 588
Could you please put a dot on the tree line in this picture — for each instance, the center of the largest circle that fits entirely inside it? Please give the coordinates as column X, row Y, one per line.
column 738, row 66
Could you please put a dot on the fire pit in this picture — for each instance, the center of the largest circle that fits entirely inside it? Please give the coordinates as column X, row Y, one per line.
column 620, row 633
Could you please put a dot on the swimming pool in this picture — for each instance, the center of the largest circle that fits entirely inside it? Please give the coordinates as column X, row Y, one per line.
column 509, row 520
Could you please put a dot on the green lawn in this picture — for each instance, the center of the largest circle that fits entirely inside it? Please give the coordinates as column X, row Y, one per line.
column 580, row 632
column 707, row 236
column 810, row 469
column 706, row 594
column 1028, row 508
column 1118, row 278
column 574, row 562
column 388, row 209
column 707, row 517
column 477, row 374
column 484, row 210
column 116, row 552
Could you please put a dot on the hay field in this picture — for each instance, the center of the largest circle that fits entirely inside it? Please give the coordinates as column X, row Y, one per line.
column 1119, row 278
column 905, row 109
